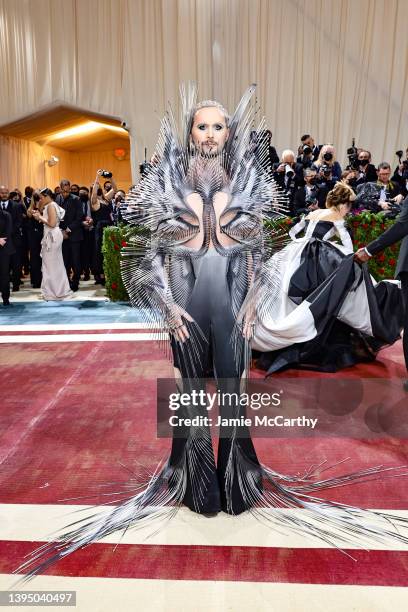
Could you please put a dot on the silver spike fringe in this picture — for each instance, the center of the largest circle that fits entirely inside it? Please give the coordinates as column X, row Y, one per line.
column 156, row 275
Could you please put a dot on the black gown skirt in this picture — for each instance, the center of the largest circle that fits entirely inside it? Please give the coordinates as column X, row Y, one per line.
column 330, row 315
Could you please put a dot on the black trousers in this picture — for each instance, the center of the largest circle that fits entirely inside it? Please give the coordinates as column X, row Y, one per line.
column 212, row 487
column 87, row 248
column 25, row 251
column 4, row 275
column 71, row 252
column 34, row 247
column 16, row 261
column 404, row 289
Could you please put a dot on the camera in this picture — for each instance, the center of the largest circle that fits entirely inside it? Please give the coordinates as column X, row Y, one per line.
column 354, row 163
column 306, row 158
column 289, row 171
column 326, row 170
column 404, row 163
column 106, row 174
column 393, row 211
column 352, row 155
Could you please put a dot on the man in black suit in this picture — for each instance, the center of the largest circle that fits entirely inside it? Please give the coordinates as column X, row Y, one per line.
column 289, row 176
column 72, row 230
column 365, row 173
column 398, row 231
column 310, row 196
column 400, row 175
column 16, row 211
column 6, row 251
column 87, row 245
column 308, row 151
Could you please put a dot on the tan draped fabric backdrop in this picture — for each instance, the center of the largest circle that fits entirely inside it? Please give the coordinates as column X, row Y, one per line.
column 23, row 162
column 335, row 68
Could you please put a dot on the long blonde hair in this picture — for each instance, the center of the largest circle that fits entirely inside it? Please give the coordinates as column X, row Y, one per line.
column 320, row 161
column 34, row 201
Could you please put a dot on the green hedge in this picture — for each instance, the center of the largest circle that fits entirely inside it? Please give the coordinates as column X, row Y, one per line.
column 365, row 227
column 114, row 238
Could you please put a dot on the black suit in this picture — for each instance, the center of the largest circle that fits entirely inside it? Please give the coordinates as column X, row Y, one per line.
column 34, row 237
column 368, row 176
column 289, row 184
column 6, row 252
column 273, row 156
column 398, row 231
column 87, row 245
column 400, row 180
column 71, row 247
column 25, row 252
column 16, row 211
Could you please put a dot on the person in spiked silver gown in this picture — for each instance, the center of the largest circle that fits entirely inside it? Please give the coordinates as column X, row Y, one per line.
column 199, row 274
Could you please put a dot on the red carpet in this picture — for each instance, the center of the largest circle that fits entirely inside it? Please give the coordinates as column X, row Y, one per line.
column 73, row 412
column 236, row 563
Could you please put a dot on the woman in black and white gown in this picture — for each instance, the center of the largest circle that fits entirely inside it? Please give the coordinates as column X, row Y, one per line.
column 330, row 312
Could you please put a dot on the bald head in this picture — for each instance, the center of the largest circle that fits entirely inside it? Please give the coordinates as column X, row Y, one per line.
column 4, row 193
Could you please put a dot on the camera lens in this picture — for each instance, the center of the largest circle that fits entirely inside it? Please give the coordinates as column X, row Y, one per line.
column 328, row 156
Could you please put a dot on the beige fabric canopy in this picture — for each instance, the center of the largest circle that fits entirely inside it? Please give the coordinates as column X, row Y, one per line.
column 334, row 68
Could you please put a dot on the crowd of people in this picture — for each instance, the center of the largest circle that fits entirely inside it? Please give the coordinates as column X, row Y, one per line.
column 83, row 213
column 30, row 249
column 307, row 177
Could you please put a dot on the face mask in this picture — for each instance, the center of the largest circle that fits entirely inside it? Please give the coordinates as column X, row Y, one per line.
column 83, row 197
column 363, row 162
column 328, row 156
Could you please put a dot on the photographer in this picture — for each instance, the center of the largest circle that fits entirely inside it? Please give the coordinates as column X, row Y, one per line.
column 307, row 150
column 87, row 245
column 118, row 201
column 16, row 210
column 324, row 180
column 34, row 235
column 72, row 231
column 400, row 176
column 361, row 170
column 102, row 216
column 288, row 175
column 326, row 164
column 383, row 195
column 309, row 196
